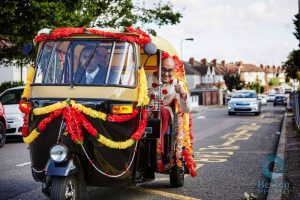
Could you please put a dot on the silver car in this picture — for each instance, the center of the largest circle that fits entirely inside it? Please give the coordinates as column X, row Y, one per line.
column 244, row 101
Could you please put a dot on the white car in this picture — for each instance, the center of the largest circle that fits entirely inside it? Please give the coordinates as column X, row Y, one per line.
column 263, row 99
column 10, row 99
column 270, row 97
column 244, row 101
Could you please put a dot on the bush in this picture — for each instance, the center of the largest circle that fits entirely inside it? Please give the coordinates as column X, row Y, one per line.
column 10, row 84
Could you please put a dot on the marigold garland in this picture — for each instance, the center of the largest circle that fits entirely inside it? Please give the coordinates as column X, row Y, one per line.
column 28, row 82
column 34, row 134
column 143, row 98
column 88, row 111
column 50, row 108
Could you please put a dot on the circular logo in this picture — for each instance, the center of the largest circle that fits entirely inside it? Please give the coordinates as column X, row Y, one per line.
column 278, row 167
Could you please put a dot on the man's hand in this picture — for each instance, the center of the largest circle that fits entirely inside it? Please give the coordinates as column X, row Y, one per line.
column 179, row 89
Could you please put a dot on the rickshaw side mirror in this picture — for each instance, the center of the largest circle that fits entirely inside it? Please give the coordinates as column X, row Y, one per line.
column 150, row 49
column 27, row 49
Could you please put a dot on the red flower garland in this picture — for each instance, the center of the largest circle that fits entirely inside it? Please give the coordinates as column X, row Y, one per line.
column 26, row 110
column 43, row 124
column 122, row 118
column 59, row 33
column 141, row 37
column 139, row 132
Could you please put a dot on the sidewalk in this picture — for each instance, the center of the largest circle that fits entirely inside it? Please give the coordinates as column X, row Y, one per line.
column 288, row 186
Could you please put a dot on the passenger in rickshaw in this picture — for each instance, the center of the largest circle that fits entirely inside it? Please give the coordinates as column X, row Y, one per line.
column 93, row 65
column 171, row 90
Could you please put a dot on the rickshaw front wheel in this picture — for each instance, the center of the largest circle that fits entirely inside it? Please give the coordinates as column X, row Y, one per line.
column 177, row 176
column 64, row 188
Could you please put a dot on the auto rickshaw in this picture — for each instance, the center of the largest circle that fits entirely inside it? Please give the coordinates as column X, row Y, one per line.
column 99, row 133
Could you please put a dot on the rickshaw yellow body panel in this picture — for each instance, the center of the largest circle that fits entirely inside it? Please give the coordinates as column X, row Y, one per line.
column 85, row 92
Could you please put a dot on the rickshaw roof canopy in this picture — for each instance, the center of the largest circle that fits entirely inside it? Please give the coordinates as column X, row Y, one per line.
column 164, row 45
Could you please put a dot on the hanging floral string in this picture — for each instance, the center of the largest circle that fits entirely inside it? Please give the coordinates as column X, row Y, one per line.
column 143, row 98
column 141, row 37
column 88, row 111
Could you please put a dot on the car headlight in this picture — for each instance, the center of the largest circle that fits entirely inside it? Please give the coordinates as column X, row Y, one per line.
column 230, row 104
column 59, row 153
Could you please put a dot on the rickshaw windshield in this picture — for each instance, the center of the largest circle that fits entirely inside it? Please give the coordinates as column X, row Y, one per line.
column 87, row 62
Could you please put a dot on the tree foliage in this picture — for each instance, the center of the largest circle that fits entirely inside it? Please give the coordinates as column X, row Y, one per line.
column 232, row 80
column 292, row 63
column 22, row 19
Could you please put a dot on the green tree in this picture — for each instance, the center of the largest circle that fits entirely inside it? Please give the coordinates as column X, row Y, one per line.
column 21, row 20
column 274, row 82
column 292, row 63
column 232, row 80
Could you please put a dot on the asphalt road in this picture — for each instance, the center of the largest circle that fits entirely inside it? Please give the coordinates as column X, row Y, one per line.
column 229, row 151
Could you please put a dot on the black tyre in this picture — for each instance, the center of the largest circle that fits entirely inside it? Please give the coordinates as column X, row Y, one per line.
column 2, row 135
column 231, row 113
column 177, row 176
column 64, row 188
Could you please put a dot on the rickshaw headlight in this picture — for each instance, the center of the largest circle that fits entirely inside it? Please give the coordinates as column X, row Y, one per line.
column 122, row 109
column 59, row 153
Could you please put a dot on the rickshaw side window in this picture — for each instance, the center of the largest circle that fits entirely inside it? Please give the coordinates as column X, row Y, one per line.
column 54, row 63
column 123, row 69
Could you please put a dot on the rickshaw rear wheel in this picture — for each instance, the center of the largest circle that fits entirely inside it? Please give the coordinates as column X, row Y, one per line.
column 64, row 188
column 2, row 135
column 177, row 176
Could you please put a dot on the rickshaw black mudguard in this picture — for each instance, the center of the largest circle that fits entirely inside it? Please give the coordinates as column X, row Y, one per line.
column 110, row 161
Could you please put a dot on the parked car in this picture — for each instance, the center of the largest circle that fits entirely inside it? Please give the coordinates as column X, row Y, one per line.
column 280, row 100
column 263, row 99
column 10, row 99
column 244, row 101
column 271, row 97
column 2, row 126
column 288, row 91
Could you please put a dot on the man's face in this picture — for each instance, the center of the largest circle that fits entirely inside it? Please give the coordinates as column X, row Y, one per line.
column 99, row 58
column 167, row 70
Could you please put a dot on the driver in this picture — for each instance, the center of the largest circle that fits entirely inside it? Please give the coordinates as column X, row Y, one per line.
column 95, row 70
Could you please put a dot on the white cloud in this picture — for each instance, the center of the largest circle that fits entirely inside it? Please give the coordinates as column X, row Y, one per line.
column 254, row 31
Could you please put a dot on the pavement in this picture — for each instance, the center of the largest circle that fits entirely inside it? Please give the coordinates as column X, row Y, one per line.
column 286, row 186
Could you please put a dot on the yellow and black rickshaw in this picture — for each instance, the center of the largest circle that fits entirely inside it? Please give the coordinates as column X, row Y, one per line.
column 99, row 133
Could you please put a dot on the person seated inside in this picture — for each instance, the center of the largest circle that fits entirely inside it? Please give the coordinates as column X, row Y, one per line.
column 93, row 65
column 171, row 89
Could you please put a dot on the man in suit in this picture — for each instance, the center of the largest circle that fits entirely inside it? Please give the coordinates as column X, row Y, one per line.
column 92, row 66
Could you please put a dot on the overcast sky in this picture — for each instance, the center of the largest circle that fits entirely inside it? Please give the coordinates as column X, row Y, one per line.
column 252, row 31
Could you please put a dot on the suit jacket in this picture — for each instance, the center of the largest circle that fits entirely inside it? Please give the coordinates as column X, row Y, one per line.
column 80, row 77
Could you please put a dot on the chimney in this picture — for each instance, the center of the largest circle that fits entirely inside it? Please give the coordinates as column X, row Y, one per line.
column 223, row 63
column 214, row 62
column 203, row 61
column 192, row 61
column 261, row 66
column 239, row 63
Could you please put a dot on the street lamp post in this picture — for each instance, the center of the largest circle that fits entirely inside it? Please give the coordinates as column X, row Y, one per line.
column 190, row 39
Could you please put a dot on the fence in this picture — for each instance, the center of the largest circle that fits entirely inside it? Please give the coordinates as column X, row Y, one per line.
column 295, row 104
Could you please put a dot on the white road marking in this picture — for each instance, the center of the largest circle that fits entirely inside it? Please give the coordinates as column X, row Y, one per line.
column 201, row 117
column 23, row 164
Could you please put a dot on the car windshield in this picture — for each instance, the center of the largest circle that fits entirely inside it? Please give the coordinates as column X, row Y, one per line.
column 81, row 62
column 244, row 95
column 10, row 97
